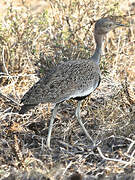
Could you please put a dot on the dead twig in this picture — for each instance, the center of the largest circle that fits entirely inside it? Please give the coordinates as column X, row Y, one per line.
column 9, row 99
column 112, row 159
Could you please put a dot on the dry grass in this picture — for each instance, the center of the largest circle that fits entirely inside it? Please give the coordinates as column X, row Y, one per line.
column 30, row 44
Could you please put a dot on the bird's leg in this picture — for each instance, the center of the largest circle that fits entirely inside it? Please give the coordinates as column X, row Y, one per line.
column 51, row 125
column 80, row 121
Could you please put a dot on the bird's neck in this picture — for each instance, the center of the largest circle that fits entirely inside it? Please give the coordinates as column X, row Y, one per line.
column 99, row 41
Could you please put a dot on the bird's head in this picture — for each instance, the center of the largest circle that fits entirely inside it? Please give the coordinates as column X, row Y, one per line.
column 104, row 25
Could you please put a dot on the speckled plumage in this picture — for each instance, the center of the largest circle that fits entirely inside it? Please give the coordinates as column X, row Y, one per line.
column 67, row 80
column 72, row 79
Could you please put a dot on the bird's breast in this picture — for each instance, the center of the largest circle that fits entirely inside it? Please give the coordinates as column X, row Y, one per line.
column 83, row 92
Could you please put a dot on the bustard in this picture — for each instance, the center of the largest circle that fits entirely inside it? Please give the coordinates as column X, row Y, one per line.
column 72, row 79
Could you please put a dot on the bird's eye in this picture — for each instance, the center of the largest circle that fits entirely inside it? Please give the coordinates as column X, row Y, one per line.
column 110, row 25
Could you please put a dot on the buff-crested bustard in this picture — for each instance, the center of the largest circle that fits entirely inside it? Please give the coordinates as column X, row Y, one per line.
column 70, row 80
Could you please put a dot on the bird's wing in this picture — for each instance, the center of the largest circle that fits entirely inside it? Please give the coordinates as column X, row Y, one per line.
column 65, row 81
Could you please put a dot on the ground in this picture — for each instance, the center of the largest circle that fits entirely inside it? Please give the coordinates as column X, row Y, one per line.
column 36, row 36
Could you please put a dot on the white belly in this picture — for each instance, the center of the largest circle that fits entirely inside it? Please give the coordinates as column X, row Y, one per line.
column 82, row 93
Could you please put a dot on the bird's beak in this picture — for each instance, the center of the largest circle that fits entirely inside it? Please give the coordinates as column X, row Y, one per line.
column 119, row 24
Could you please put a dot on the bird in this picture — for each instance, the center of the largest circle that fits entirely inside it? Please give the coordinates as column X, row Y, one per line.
column 73, row 79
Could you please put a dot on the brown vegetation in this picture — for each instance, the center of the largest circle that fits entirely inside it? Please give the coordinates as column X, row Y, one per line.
column 31, row 41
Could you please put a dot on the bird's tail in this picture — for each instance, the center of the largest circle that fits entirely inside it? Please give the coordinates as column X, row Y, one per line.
column 26, row 108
